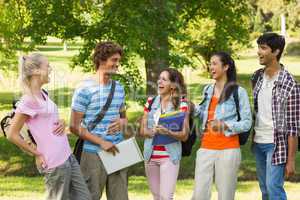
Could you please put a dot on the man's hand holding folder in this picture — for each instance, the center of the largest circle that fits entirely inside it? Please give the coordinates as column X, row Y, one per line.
column 109, row 147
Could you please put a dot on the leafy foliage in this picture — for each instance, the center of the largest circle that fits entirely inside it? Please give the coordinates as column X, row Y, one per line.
column 11, row 32
column 163, row 33
column 223, row 27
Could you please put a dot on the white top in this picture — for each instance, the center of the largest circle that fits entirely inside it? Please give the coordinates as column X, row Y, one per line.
column 264, row 128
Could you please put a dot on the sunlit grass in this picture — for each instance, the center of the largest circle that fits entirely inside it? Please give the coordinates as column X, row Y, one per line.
column 28, row 188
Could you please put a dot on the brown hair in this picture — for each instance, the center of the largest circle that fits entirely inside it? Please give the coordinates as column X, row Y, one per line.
column 104, row 50
column 180, row 87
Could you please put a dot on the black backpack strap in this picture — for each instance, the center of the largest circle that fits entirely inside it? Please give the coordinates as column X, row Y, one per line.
column 104, row 109
column 151, row 103
column 79, row 143
column 255, row 78
column 205, row 94
column 237, row 103
column 45, row 91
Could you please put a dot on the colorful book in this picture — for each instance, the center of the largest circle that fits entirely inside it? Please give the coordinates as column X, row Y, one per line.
column 172, row 121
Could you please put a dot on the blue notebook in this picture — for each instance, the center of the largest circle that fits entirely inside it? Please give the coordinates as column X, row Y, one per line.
column 172, row 121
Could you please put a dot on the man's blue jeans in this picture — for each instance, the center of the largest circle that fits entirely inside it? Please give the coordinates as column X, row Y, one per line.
column 270, row 177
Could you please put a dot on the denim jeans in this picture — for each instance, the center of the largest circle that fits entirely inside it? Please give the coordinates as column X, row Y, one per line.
column 270, row 177
column 66, row 182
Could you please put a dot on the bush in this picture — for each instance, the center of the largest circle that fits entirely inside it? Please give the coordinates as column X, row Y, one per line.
column 293, row 49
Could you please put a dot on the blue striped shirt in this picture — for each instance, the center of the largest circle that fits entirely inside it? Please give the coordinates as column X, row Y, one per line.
column 89, row 99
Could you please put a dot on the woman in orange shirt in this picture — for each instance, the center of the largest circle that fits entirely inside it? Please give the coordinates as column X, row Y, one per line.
column 219, row 155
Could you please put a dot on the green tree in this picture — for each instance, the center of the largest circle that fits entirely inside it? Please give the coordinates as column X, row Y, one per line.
column 268, row 14
column 223, row 26
column 12, row 36
column 293, row 17
column 156, row 30
column 162, row 32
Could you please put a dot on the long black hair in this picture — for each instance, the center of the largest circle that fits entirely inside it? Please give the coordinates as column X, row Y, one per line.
column 231, row 83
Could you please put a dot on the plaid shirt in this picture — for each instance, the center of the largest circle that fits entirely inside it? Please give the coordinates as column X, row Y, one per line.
column 285, row 111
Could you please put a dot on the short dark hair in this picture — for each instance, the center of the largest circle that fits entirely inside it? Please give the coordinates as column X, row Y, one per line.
column 274, row 41
column 104, row 50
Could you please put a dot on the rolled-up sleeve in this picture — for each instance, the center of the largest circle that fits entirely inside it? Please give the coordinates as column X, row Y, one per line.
column 293, row 112
column 81, row 100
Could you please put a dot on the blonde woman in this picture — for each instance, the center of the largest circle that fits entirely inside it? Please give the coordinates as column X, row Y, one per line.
column 63, row 178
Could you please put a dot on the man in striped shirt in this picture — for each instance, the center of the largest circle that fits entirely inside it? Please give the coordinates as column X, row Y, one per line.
column 88, row 101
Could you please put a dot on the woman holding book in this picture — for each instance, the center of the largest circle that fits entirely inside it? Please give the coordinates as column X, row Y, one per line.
column 54, row 159
column 219, row 155
column 162, row 160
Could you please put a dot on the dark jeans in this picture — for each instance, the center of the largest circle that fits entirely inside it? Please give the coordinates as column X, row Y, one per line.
column 270, row 177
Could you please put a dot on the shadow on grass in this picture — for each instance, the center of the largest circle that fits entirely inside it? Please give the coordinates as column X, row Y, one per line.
column 15, row 162
column 10, row 184
column 7, row 98
column 245, row 187
column 138, row 184
column 293, row 48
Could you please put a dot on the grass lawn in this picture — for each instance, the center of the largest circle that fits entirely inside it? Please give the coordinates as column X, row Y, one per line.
column 28, row 188
column 19, row 178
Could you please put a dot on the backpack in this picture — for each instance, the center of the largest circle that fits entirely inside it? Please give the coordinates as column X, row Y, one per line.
column 243, row 137
column 25, row 132
column 187, row 145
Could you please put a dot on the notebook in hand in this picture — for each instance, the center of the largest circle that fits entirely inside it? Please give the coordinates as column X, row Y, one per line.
column 172, row 121
column 129, row 154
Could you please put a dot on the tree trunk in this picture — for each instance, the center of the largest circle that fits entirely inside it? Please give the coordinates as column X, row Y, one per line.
column 158, row 57
column 156, row 63
column 153, row 68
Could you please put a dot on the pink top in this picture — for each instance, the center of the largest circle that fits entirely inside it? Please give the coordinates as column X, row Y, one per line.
column 43, row 116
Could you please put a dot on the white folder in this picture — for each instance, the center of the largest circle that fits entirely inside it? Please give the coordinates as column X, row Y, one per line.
column 129, row 154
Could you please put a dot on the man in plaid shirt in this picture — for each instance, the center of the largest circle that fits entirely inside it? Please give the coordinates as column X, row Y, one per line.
column 277, row 109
